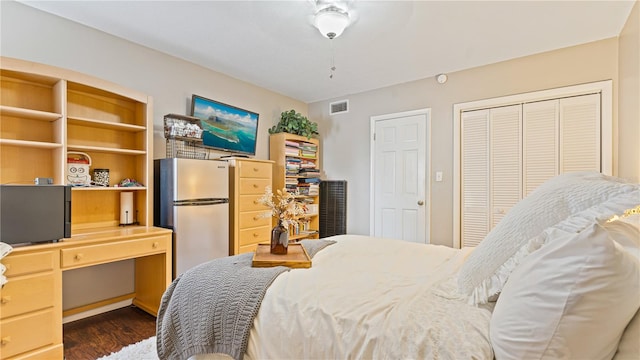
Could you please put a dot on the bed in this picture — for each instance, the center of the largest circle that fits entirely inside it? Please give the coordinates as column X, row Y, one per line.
column 554, row 279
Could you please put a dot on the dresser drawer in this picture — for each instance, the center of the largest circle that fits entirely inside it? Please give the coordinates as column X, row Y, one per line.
column 250, row 203
column 114, row 251
column 27, row 332
column 250, row 169
column 255, row 235
column 20, row 264
column 251, row 219
column 253, row 186
column 247, row 248
column 27, row 293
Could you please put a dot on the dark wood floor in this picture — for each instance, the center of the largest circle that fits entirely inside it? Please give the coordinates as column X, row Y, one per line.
column 96, row 336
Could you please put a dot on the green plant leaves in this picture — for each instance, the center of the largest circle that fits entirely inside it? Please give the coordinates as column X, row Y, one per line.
column 293, row 122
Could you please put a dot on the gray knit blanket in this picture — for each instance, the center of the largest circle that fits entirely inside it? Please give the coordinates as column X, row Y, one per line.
column 210, row 308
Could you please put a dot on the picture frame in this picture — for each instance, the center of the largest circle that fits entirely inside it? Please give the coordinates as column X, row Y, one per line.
column 226, row 127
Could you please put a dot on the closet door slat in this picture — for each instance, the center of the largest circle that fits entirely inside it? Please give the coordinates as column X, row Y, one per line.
column 580, row 133
column 505, row 160
column 540, row 151
column 475, row 176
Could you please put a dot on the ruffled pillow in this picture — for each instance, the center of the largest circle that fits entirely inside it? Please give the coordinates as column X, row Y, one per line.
column 569, row 202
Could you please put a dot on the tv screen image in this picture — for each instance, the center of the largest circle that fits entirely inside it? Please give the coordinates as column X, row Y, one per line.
column 225, row 127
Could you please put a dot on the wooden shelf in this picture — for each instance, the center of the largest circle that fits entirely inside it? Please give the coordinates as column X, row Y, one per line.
column 110, row 188
column 30, row 144
column 106, row 150
column 104, row 124
column 302, row 236
column 47, row 112
column 110, row 123
column 277, row 153
column 29, row 113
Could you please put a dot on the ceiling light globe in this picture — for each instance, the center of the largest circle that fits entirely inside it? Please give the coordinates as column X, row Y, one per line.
column 331, row 21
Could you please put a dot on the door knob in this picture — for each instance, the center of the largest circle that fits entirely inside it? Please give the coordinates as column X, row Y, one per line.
column 420, row 202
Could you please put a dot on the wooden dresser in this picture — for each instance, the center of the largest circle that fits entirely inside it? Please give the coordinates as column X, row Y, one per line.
column 248, row 179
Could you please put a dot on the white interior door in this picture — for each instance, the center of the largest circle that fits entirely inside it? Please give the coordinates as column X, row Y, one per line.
column 399, row 181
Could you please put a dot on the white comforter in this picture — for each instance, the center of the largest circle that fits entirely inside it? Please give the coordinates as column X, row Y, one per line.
column 371, row 298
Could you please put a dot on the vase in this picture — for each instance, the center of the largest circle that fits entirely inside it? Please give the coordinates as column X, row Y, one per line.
column 279, row 239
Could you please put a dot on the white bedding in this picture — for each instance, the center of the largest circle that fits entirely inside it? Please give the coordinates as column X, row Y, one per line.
column 387, row 301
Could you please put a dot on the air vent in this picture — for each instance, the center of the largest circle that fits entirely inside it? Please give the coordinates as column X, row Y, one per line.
column 339, row 107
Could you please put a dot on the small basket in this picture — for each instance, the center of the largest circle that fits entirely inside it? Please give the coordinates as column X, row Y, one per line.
column 78, row 164
column 182, row 127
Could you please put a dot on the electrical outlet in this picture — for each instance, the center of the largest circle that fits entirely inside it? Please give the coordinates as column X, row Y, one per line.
column 438, row 175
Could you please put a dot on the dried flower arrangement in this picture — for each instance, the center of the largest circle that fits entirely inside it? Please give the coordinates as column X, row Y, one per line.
column 283, row 205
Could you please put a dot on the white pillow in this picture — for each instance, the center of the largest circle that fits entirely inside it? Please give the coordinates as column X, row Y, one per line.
column 629, row 346
column 625, row 234
column 570, row 299
column 569, row 201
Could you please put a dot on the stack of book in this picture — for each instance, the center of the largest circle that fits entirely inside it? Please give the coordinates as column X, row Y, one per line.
column 309, row 186
column 292, row 148
column 310, row 172
column 291, row 184
column 292, row 166
column 308, row 150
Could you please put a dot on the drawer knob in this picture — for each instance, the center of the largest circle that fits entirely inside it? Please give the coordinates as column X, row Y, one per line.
column 5, row 299
column 256, row 218
column 79, row 256
column 255, row 202
column 155, row 244
column 5, row 340
column 256, row 234
column 255, row 169
column 255, row 186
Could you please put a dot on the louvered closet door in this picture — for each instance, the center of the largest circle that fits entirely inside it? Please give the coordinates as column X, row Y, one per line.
column 475, row 176
column 540, row 141
column 580, row 133
column 560, row 136
column 505, row 160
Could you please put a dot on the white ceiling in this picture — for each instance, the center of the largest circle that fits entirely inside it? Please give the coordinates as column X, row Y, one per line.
column 272, row 43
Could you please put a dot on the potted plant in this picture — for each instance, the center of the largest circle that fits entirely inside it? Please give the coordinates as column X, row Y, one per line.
column 293, row 122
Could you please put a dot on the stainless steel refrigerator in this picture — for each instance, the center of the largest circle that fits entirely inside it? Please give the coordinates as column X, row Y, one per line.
column 192, row 199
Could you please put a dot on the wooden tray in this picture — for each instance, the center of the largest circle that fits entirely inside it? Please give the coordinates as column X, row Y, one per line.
column 296, row 257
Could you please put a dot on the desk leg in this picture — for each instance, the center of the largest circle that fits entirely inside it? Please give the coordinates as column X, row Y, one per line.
column 153, row 275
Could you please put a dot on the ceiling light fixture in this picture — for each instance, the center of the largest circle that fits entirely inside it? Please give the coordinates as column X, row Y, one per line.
column 331, row 21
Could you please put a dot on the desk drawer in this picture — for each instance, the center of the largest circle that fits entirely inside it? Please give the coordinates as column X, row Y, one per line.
column 114, row 251
column 28, row 293
column 251, row 219
column 255, row 235
column 253, row 186
column 25, row 333
column 255, row 170
column 249, row 203
column 29, row 263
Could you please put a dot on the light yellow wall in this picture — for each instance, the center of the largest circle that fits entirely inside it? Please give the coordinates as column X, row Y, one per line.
column 629, row 98
column 349, row 133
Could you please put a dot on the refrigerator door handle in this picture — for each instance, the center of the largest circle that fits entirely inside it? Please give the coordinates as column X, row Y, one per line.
column 200, row 202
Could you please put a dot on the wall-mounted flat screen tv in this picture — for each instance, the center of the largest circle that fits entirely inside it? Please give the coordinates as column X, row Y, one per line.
column 225, row 127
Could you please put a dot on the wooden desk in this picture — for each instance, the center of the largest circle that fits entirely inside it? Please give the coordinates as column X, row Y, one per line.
column 31, row 301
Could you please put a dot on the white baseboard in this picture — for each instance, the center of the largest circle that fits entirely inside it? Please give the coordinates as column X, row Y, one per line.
column 96, row 311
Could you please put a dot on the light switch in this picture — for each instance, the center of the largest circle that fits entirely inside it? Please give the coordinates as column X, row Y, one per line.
column 438, row 175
